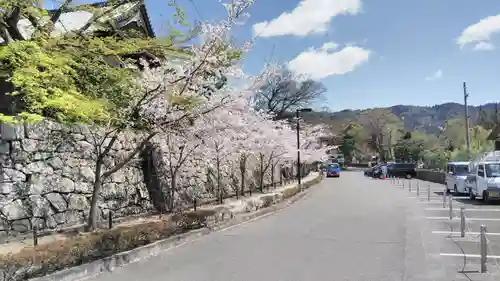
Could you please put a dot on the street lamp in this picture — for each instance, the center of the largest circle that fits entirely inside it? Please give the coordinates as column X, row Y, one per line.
column 297, row 115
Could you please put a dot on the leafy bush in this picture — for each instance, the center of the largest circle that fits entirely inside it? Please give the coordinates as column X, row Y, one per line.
column 14, row 268
column 198, row 218
column 291, row 192
column 267, row 200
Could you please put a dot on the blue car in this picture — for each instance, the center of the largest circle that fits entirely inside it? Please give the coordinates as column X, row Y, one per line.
column 333, row 170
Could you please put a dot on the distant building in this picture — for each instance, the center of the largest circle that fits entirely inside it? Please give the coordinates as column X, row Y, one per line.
column 128, row 16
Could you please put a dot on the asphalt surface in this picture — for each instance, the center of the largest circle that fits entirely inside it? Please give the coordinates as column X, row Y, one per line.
column 347, row 228
column 460, row 254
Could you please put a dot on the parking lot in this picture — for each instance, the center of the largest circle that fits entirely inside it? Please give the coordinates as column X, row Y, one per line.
column 464, row 252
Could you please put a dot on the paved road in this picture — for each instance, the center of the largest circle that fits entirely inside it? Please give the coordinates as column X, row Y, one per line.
column 350, row 228
column 453, row 246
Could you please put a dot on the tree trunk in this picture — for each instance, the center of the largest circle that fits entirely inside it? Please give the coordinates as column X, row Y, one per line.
column 243, row 164
column 281, row 175
column 92, row 221
column 173, row 184
column 391, row 154
column 219, row 190
column 273, row 167
column 261, row 173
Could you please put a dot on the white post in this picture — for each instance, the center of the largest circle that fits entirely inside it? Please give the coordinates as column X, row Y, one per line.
column 450, row 200
column 484, row 249
column 444, row 198
column 462, row 221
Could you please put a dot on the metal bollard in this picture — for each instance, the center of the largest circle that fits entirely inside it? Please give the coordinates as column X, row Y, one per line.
column 110, row 219
column 35, row 236
column 409, row 186
column 444, row 198
column 484, row 249
column 428, row 194
column 418, row 189
column 462, row 221
column 450, row 200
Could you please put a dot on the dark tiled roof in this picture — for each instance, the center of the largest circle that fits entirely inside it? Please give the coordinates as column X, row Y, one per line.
column 142, row 10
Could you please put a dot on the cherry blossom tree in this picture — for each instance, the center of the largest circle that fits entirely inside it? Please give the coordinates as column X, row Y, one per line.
column 201, row 122
column 171, row 96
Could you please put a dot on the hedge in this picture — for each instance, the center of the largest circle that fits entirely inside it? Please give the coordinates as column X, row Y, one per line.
column 44, row 259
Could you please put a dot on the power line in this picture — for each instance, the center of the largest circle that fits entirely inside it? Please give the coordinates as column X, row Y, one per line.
column 196, row 9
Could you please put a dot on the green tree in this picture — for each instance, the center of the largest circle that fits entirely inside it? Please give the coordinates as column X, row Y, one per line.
column 488, row 119
column 408, row 149
column 92, row 78
column 348, row 146
column 71, row 77
column 478, row 145
column 378, row 125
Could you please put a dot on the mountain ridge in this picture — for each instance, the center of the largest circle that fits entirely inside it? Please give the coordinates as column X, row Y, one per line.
column 427, row 119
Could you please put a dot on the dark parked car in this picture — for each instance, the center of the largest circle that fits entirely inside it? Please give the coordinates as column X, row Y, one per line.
column 400, row 170
column 369, row 172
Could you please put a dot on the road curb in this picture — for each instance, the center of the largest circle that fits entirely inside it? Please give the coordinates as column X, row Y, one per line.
column 108, row 264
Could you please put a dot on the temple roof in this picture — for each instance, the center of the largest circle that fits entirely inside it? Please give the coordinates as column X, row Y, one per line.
column 129, row 15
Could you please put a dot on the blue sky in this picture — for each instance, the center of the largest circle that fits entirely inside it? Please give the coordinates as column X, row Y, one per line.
column 385, row 49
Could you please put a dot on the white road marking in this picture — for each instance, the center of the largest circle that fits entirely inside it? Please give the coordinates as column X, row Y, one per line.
column 466, row 210
column 470, row 233
column 467, row 255
column 468, row 219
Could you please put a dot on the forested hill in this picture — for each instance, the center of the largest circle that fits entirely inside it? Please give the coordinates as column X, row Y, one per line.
column 416, row 118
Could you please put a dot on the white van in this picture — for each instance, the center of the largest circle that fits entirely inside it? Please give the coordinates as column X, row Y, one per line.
column 484, row 181
column 456, row 174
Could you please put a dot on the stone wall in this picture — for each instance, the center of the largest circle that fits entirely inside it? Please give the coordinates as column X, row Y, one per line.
column 432, row 176
column 46, row 177
column 47, row 173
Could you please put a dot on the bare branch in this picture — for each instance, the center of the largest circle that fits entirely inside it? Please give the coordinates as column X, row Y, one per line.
column 55, row 17
column 283, row 91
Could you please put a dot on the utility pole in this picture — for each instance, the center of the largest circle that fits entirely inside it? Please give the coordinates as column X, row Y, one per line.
column 298, row 147
column 467, row 136
column 299, row 167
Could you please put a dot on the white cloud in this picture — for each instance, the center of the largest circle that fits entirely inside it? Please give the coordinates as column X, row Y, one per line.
column 310, row 16
column 480, row 33
column 321, row 63
column 329, row 46
column 435, row 76
column 484, row 46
